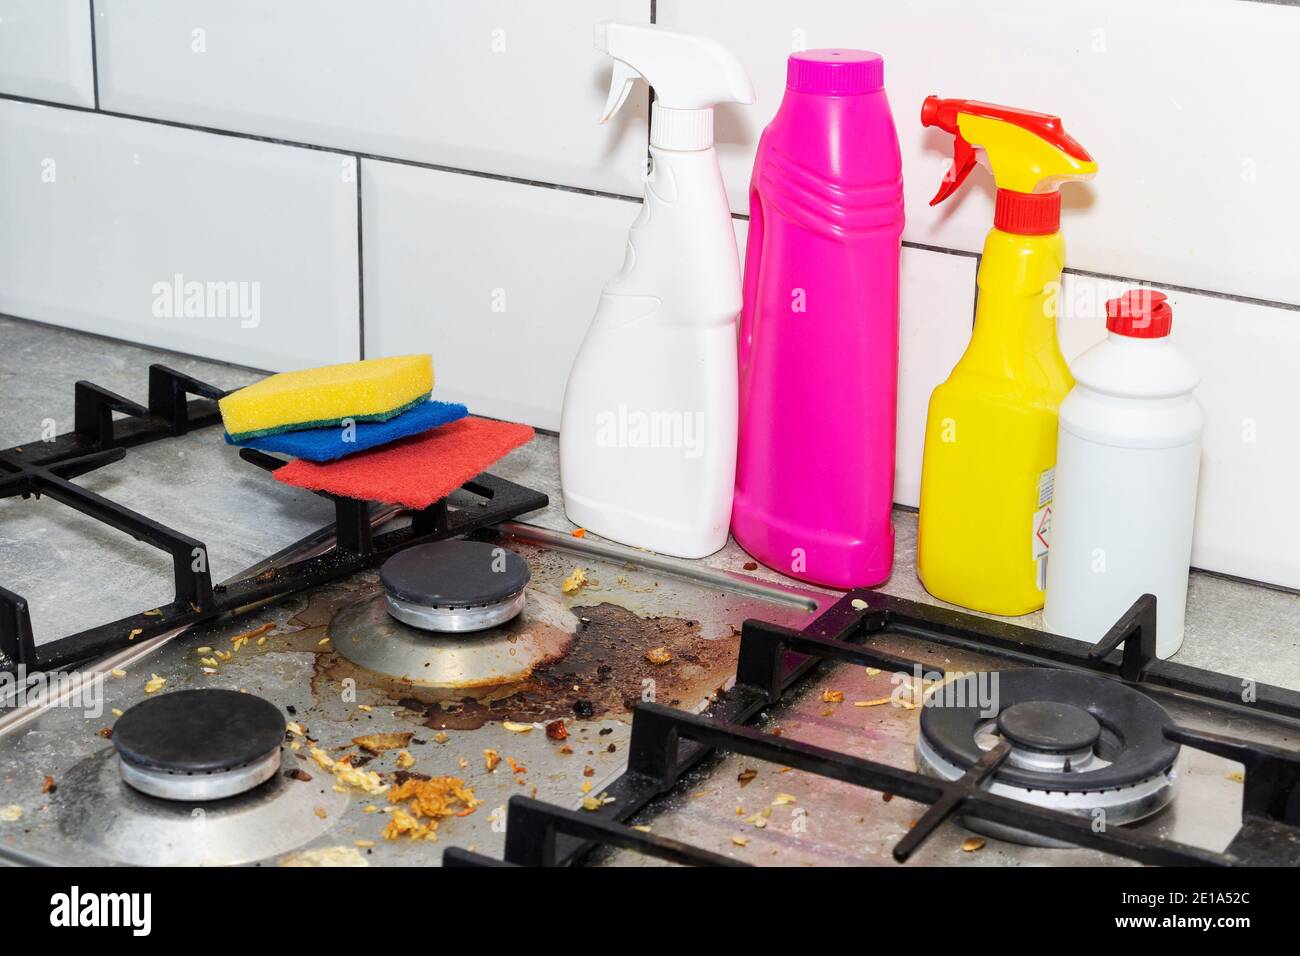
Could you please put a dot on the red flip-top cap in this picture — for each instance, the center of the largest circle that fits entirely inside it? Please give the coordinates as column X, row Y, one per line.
column 1140, row 314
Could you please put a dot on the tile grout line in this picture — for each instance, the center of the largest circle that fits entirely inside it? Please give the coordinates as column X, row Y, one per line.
column 316, row 147
column 361, row 270
column 94, row 54
column 600, row 194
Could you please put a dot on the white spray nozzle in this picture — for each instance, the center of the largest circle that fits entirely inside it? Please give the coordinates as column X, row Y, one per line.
column 688, row 72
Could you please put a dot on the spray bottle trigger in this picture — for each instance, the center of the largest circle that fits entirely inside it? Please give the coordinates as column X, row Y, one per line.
column 963, row 161
column 620, row 85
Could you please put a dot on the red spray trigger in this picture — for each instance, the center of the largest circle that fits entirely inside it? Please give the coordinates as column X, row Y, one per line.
column 943, row 114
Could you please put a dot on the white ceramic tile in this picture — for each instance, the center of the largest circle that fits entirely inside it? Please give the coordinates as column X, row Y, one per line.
column 100, row 215
column 1247, row 512
column 501, row 86
column 1187, row 108
column 497, row 280
column 936, row 309
column 45, row 50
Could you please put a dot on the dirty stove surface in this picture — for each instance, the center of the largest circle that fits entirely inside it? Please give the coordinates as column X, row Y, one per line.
column 589, row 668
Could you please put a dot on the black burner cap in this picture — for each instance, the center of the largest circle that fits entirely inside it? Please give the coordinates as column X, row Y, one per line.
column 198, row 731
column 455, row 573
column 1049, row 726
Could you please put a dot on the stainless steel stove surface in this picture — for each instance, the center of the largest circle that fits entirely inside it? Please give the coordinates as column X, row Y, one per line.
column 382, row 687
column 638, row 629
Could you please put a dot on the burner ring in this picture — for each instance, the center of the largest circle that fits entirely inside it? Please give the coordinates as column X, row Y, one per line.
column 1131, row 728
column 201, row 744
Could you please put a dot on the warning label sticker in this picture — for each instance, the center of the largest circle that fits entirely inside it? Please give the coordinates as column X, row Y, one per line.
column 1040, row 540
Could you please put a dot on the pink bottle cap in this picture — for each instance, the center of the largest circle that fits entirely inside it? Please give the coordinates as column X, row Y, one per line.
column 835, row 72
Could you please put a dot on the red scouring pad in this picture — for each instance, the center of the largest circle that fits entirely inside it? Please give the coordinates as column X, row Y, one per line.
column 414, row 472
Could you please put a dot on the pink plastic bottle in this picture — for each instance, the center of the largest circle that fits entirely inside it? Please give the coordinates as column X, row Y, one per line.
column 819, row 330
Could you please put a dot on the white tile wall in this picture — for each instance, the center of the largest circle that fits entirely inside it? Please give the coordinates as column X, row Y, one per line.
column 497, row 280
column 45, row 50
column 1249, row 359
column 936, row 307
column 96, row 212
column 1186, row 107
column 502, row 86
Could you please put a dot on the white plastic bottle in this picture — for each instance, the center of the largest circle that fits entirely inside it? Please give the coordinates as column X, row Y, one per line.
column 648, row 430
column 1127, row 462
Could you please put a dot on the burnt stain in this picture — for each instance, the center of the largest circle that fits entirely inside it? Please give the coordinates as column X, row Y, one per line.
column 603, row 675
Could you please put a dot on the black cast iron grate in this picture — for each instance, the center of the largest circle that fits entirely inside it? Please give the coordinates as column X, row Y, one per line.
column 667, row 743
column 97, row 439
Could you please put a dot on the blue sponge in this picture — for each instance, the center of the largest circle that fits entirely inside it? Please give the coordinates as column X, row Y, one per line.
column 327, row 444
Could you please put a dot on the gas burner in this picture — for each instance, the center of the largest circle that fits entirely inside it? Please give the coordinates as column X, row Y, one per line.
column 453, row 665
column 1079, row 743
column 455, row 586
column 199, row 745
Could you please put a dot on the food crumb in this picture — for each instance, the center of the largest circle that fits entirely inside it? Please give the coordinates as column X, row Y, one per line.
column 574, row 582
column 658, row 656
column 154, row 684
column 971, row 844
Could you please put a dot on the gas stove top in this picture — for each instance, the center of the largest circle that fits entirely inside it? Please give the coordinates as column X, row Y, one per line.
column 456, row 687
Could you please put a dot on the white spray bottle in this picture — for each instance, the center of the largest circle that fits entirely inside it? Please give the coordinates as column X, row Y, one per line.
column 648, row 431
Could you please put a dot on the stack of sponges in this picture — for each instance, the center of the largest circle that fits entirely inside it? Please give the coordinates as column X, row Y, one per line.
column 398, row 446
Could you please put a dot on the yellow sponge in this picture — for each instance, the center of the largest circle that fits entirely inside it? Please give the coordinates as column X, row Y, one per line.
column 373, row 390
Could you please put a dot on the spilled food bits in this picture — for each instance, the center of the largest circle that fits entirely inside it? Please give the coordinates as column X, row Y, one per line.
column 441, row 737
column 378, row 743
column 346, row 775
column 404, row 760
column 740, row 840
column 658, row 656
column 595, row 803
column 491, row 758
column 516, row 728
column 326, row 856
column 574, row 582
column 971, row 844
column 877, row 702
column 11, row 813
column 118, row 672
column 135, row 632
column 154, row 684
column 433, row 800
column 833, row 696
column 579, row 532
column 1237, row 776
column 858, row 604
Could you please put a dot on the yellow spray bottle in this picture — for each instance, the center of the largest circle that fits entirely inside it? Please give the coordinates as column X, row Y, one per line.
column 990, row 436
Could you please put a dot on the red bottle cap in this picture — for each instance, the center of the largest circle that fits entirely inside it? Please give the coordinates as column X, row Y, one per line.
column 1027, row 214
column 1140, row 314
